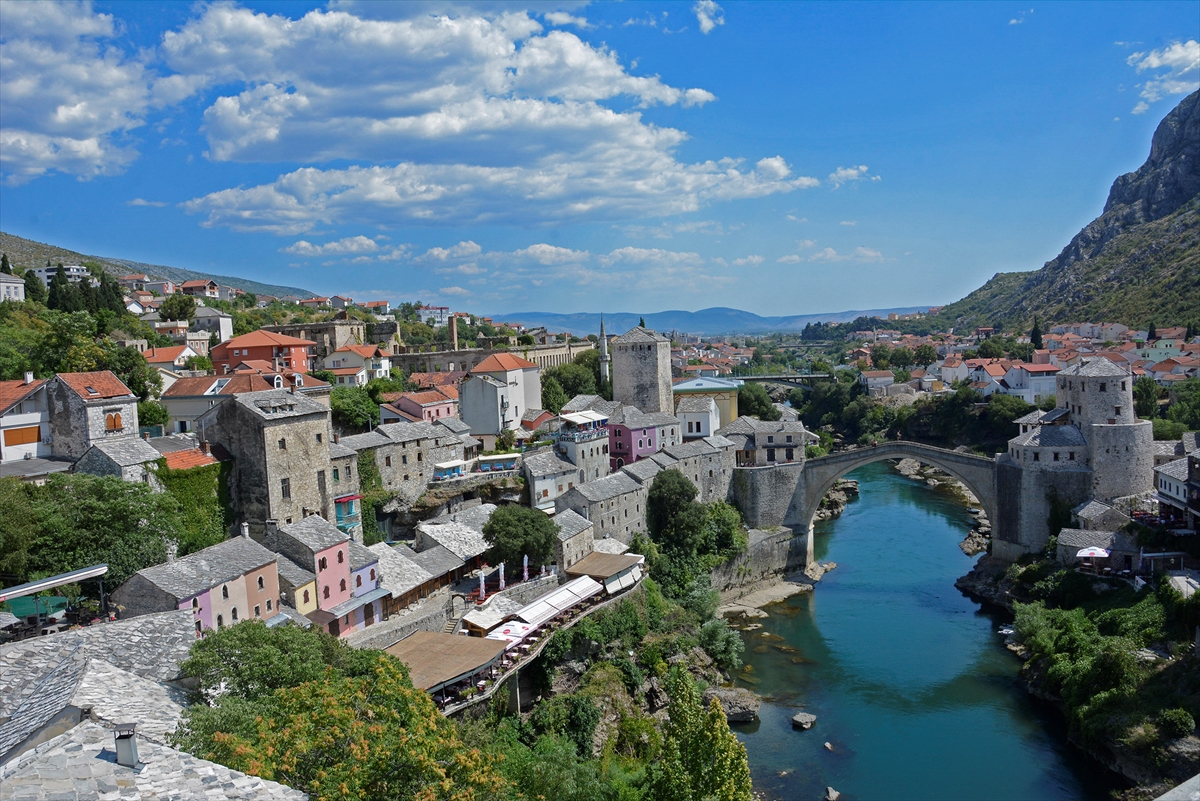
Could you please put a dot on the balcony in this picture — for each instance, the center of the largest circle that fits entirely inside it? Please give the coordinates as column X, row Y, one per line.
column 581, row 435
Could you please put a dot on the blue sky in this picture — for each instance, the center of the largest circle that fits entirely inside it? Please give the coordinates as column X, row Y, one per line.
column 782, row 158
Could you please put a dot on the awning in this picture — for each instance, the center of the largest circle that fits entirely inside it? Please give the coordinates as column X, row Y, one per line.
column 450, row 465
column 347, row 498
column 346, row 607
column 53, row 581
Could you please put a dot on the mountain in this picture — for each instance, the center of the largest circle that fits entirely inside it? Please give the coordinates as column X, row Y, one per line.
column 1137, row 263
column 25, row 253
column 717, row 320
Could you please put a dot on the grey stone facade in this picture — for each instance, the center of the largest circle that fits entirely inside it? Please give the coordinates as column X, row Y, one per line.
column 280, row 443
column 329, row 335
column 80, row 418
column 641, row 365
column 574, row 541
column 405, row 454
column 129, row 459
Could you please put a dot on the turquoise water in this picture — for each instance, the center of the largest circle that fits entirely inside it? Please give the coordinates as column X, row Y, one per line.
column 908, row 679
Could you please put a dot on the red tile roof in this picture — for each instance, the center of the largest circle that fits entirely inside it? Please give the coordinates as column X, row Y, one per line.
column 163, row 355
column 100, row 384
column 13, row 392
column 254, row 366
column 346, row 370
column 437, row 379
column 196, row 284
column 427, row 398
column 366, row 351
column 263, row 338
column 184, row 460
column 502, row 362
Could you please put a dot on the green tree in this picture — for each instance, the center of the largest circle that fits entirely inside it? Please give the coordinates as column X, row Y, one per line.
column 1145, row 397
column 525, row 339
column 574, row 379
column 641, row 322
column 62, row 295
column 754, row 401
column 19, row 529
column 1001, row 411
column 353, row 409
column 701, row 758
column 178, row 307
column 991, row 348
column 1035, row 334
column 5, row 267
column 881, row 356
column 553, row 397
column 35, row 290
column 152, row 413
column 198, row 363
column 903, row 357
column 1152, row 332
column 513, row 532
column 925, row 355
column 1186, row 406
column 131, row 367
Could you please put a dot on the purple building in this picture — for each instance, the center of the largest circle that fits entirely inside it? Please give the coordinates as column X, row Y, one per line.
column 633, row 435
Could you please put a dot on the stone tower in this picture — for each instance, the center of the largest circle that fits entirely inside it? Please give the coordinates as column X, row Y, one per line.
column 641, row 368
column 605, row 367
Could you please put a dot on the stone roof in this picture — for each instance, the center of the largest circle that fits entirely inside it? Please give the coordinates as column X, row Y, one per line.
column 692, row 448
column 1109, row 540
column 128, row 451
column 438, row 560
column 570, row 523
column 1098, row 367
column 371, row 439
column 695, row 404
column 454, row 424
column 410, row 432
column 314, row 532
column 294, row 574
column 474, row 516
column 639, row 334
column 609, row 545
column 719, row 442
column 361, row 556
column 193, row 574
column 580, row 403
column 663, row 459
column 398, row 573
column 288, row 614
column 279, row 404
column 1050, row 436
column 547, row 462
column 339, row 451
column 1091, row 510
column 80, row 764
column 1030, row 419
column 1177, row 469
column 607, row 487
column 644, row 470
column 633, row 417
column 460, row 539
column 111, row 695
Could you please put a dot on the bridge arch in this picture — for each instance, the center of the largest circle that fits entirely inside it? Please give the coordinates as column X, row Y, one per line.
column 978, row 473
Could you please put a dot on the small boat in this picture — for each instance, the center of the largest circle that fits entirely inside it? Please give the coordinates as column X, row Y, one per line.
column 1006, row 631
column 973, row 511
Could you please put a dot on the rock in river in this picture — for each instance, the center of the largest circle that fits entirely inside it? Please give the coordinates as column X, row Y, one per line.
column 740, row 705
column 832, row 794
column 803, row 720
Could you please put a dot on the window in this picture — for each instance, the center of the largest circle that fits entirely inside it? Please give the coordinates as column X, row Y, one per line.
column 372, row 574
column 341, row 557
column 225, row 592
column 233, row 614
column 336, row 477
column 268, row 604
column 322, row 563
column 257, row 612
column 112, row 422
column 791, row 454
column 545, row 493
column 199, row 629
column 387, row 461
column 1071, row 456
column 326, row 593
column 1103, row 386
column 420, row 456
column 1037, row 457
column 789, row 437
column 195, row 603
column 342, row 584
column 358, row 581
column 1117, row 413
column 1056, row 456
column 262, row 584
column 285, row 487
column 283, row 444
column 770, row 438
column 770, row 454
column 220, row 621
column 318, row 437
column 307, row 597
column 403, row 459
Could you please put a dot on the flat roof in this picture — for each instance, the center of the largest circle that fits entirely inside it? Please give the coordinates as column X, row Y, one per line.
column 436, row 659
column 603, row 566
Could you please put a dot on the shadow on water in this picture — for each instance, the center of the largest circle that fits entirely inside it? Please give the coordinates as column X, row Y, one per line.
column 910, row 683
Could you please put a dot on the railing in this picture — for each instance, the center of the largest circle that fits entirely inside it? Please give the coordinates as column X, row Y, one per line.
column 581, row 436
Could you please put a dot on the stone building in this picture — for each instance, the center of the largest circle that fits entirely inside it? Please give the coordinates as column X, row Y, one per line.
column 766, row 442
column 574, row 540
column 405, row 453
column 641, row 365
column 222, row 584
column 698, row 414
column 327, row 336
column 129, row 459
column 616, row 505
column 280, row 442
column 89, row 408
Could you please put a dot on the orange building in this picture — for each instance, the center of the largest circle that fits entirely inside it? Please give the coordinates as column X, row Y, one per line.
column 282, row 352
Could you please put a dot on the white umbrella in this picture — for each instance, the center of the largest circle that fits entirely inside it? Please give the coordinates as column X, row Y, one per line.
column 1093, row 552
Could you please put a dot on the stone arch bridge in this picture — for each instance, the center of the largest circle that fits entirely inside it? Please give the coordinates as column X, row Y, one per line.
column 790, row 494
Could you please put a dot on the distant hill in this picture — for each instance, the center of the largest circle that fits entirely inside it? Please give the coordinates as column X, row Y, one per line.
column 1138, row 262
column 25, row 253
column 717, row 320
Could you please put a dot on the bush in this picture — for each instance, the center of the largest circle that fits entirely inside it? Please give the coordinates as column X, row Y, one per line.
column 1176, row 722
column 722, row 643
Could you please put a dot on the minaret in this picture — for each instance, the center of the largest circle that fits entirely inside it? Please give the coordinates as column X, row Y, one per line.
column 605, row 372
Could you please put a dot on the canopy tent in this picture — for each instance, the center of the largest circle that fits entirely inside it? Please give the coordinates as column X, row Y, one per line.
column 565, row 597
column 1092, row 552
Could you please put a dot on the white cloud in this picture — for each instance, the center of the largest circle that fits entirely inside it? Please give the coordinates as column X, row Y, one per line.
column 805, row 243
column 561, row 18
column 1020, row 18
column 463, row 250
column 791, row 258
column 1179, row 72
column 137, row 201
column 708, row 14
column 66, row 96
column 550, row 254
column 859, row 254
column 651, row 256
column 350, row 244
column 455, row 291
column 794, row 218
column 850, row 223
column 843, row 175
column 748, row 261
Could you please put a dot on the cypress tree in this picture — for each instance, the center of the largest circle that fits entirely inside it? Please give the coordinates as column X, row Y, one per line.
column 34, row 288
column 5, row 267
column 59, row 291
column 1035, row 336
column 642, row 322
column 1152, row 334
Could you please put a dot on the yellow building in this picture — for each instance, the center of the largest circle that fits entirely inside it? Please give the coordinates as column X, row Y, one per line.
column 722, row 390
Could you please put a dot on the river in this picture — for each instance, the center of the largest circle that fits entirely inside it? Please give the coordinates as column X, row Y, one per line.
column 908, row 679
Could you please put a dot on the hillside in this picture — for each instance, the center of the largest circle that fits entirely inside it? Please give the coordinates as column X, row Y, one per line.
column 1136, row 263
column 25, row 253
column 717, row 320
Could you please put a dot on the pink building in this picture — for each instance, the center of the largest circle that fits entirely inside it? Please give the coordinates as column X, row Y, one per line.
column 633, row 435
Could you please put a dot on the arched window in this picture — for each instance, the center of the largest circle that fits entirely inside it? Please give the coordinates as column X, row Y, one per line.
column 195, row 603
column 225, row 591
column 220, row 621
column 343, row 585
column 233, row 614
column 323, row 563
column 306, row 597
column 341, row 557
column 199, row 628
column 112, row 422
column 358, row 581
column 326, row 593
column 278, row 382
column 262, row 584
column 372, row 574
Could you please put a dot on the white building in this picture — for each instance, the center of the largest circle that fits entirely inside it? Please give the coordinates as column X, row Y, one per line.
column 497, row 392
column 1032, row 383
column 435, row 316
column 75, row 273
column 372, row 360
column 214, row 321
column 698, row 415
column 1170, row 483
column 24, row 419
column 12, row 288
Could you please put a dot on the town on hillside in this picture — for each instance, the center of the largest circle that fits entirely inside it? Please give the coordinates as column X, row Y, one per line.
column 464, row 494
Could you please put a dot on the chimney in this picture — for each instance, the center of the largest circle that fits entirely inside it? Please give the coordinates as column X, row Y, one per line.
column 246, row 530
column 127, row 754
column 453, row 333
column 172, row 550
column 272, row 525
column 28, row 377
column 336, row 437
column 204, row 447
column 146, row 436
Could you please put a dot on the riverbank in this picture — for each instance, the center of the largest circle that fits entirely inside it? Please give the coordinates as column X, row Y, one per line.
column 979, row 538
column 1134, row 738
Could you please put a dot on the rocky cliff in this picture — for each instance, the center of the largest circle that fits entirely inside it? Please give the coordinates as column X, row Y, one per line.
column 1138, row 262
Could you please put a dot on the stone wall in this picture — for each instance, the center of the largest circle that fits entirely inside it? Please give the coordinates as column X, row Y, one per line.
column 642, row 375
column 75, row 424
column 770, row 553
column 764, row 494
column 431, row 615
column 140, row 596
column 1022, row 520
column 1122, row 459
